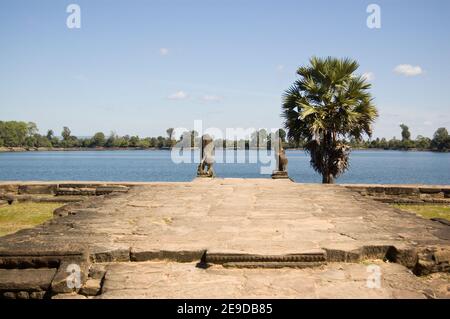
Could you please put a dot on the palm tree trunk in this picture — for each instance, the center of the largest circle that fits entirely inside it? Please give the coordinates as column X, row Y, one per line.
column 327, row 178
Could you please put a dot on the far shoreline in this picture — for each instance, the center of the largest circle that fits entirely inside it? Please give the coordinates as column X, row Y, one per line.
column 101, row 149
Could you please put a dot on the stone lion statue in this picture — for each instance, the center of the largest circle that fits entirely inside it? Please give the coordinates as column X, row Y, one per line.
column 282, row 162
column 205, row 168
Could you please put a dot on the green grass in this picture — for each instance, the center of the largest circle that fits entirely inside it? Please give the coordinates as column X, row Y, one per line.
column 427, row 211
column 24, row 215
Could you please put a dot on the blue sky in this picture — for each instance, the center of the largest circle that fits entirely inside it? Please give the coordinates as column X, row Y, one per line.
column 139, row 67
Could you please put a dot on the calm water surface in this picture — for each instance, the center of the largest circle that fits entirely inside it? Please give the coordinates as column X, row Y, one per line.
column 388, row 167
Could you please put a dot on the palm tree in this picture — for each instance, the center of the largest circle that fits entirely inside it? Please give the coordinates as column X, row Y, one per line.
column 170, row 132
column 326, row 106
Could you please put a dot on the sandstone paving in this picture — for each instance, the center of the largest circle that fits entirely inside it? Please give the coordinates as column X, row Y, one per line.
column 258, row 216
column 163, row 222
column 335, row 280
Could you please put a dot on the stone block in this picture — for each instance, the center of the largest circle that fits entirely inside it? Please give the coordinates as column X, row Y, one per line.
column 280, row 175
column 375, row 252
column 111, row 255
column 62, row 283
column 37, row 295
column 97, row 271
column 442, row 256
column 401, row 190
column 32, row 261
column 91, row 287
column 430, row 190
column 76, row 192
column 9, row 295
column 37, row 189
column 376, row 190
column 9, row 188
column 178, row 256
column 103, row 190
column 26, row 279
column 446, row 192
column 80, row 185
column 406, row 257
column 22, row 295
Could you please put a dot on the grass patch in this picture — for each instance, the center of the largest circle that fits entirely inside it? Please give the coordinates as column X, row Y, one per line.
column 24, row 215
column 427, row 211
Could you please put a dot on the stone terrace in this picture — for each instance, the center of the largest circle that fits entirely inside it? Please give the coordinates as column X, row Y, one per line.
column 236, row 225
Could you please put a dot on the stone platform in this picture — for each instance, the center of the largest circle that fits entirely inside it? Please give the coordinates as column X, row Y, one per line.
column 242, row 228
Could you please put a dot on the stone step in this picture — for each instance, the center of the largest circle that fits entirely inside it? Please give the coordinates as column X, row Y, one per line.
column 66, row 191
column 25, row 283
column 223, row 258
column 273, row 265
column 103, row 190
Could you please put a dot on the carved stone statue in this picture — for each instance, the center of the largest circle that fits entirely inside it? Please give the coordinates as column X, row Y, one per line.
column 282, row 161
column 205, row 168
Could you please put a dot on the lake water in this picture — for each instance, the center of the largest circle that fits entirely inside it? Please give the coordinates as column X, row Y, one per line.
column 387, row 167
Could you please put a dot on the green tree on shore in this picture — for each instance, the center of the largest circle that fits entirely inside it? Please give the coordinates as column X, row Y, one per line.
column 98, row 140
column 326, row 106
column 50, row 135
column 23, row 134
column 13, row 133
column 66, row 133
column 406, row 135
column 441, row 140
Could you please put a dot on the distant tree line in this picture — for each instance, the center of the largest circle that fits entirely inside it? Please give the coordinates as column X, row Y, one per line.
column 440, row 141
column 22, row 134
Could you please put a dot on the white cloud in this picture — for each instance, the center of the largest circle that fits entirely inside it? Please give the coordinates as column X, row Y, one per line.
column 212, row 98
column 164, row 51
column 408, row 70
column 428, row 123
column 369, row 76
column 179, row 95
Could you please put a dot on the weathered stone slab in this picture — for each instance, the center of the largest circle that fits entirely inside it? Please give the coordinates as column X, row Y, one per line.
column 222, row 258
column 376, row 190
column 102, row 190
column 334, row 280
column 110, row 255
column 9, row 188
column 37, row 189
column 91, row 287
column 26, row 279
column 261, row 217
column 97, row 271
column 430, row 190
column 401, row 190
column 11, row 262
column 65, row 282
column 446, row 192
column 179, row 256
column 80, row 185
column 75, row 191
